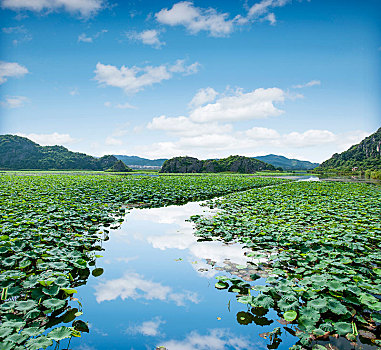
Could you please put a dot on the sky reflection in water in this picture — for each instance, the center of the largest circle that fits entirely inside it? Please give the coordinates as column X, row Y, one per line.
column 158, row 289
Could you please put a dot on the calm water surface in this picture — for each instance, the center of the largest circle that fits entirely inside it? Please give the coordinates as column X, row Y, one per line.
column 158, row 289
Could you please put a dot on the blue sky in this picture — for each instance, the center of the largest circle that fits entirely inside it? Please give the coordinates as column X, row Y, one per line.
column 203, row 78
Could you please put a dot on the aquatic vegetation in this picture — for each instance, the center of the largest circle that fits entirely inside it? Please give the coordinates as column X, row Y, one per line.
column 324, row 271
column 51, row 232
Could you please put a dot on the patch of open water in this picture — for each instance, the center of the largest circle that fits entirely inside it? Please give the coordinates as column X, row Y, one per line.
column 158, row 289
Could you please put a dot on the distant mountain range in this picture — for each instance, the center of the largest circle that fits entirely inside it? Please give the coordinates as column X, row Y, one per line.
column 138, row 161
column 286, row 163
column 20, row 153
column 276, row 161
column 364, row 156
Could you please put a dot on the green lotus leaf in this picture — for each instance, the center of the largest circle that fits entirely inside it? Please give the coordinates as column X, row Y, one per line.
column 81, row 326
column 97, row 272
column 8, row 305
column 7, row 345
column 52, row 290
column 290, row 316
column 60, row 333
column 25, row 305
column 17, row 338
column 336, row 307
column 54, row 304
column 335, row 286
column 244, row 317
column 343, row 328
column 14, row 324
column 38, row 343
column 62, row 282
column 32, row 314
column 33, row 331
column 221, row 285
column 320, row 303
column 5, row 331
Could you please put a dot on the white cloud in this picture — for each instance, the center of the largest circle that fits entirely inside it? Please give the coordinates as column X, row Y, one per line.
column 196, row 19
column 85, row 8
column 135, row 79
column 258, row 133
column 14, row 101
column 147, row 328
column 215, row 339
column 264, row 6
column 271, row 18
column 309, row 84
column 317, row 145
column 112, row 141
column 135, row 286
column 147, row 37
column 183, row 126
column 203, row 96
column 309, row 138
column 257, row 104
column 89, row 39
column 11, row 69
column 125, row 106
column 50, row 139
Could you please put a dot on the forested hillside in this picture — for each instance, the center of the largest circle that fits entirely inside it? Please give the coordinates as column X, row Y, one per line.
column 238, row 164
column 365, row 156
column 17, row 153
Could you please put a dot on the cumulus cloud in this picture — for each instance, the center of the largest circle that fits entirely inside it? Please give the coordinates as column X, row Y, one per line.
column 14, row 101
column 257, row 104
column 258, row 133
column 112, row 141
column 85, row 8
column 147, row 328
column 50, row 139
column 309, row 84
column 134, row 79
column 183, row 126
column 203, row 96
column 215, row 339
column 134, row 286
column 11, row 69
column 89, row 39
column 196, row 19
column 264, row 6
column 147, row 37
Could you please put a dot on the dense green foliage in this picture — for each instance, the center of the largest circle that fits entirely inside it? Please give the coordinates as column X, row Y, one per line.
column 322, row 242
column 21, row 153
column 119, row 166
column 134, row 160
column 375, row 174
column 51, row 227
column 237, row 164
column 286, row 163
column 366, row 155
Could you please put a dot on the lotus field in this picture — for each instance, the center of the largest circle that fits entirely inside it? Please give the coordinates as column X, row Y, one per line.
column 52, row 228
column 322, row 241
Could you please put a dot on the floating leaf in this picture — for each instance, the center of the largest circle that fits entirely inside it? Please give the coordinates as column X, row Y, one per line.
column 290, row 316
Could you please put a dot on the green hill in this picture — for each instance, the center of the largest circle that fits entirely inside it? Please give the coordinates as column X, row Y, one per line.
column 119, row 166
column 287, row 163
column 364, row 156
column 20, row 153
column 138, row 161
column 238, row 164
